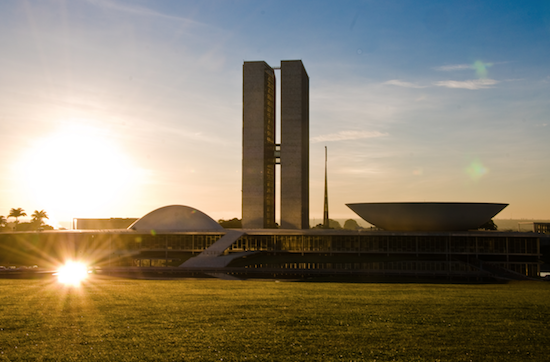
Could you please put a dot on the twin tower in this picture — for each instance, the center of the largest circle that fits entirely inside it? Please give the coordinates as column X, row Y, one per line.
column 261, row 152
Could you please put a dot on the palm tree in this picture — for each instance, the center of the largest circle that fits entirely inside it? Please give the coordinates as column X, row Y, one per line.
column 3, row 221
column 39, row 216
column 17, row 213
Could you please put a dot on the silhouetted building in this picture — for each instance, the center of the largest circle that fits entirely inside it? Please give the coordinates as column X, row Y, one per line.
column 541, row 227
column 103, row 224
column 183, row 236
column 259, row 147
column 294, row 145
column 258, row 193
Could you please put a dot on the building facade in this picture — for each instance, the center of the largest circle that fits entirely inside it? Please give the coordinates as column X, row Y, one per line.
column 294, row 145
column 467, row 255
column 103, row 224
column 258, row 167
column 261, row 153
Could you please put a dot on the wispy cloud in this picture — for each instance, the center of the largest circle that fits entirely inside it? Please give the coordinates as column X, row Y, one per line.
column 467, row 84
column 400, row 83
column 472, row 84
column 453, row 67
column 480, row 67
column 347, row 135
column 421, row 98
column 139, row 10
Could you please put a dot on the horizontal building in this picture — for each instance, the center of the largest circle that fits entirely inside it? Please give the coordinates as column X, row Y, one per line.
column 103, row 224
column 464, row 254
column 181, row 239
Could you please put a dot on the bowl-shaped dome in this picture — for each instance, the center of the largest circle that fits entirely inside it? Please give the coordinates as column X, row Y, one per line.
column 427, row 216
column 176, row 218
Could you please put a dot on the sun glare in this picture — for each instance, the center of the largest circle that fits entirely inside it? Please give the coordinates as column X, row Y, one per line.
column 72, row 273
column 78, row 169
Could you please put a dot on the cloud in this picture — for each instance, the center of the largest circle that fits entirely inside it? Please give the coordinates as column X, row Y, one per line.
column 347, row 135
column 403, row 84
column 140, row 11
column 467, row 84
column 453, row 67
column 421, row 98
column 479, row 66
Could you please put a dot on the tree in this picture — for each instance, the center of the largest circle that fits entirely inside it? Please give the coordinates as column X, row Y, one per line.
column 17, row 213
column 3, row 221
column 231, row 224
column 332, row 224
column 39, row 216
column 489, row 225
column 351, row 224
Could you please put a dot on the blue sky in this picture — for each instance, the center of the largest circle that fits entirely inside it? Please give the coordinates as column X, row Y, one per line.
column 114, row 108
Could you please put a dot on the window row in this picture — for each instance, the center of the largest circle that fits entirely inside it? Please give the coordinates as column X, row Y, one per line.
column 418, row 266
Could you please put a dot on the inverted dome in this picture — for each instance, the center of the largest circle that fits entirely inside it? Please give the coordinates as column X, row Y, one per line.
column 176, row 218
column 427, row 216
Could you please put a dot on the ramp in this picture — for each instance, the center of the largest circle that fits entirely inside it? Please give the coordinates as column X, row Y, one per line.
column 210, row 257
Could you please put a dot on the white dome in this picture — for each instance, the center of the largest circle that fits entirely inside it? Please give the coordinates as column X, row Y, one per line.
column 176, row 218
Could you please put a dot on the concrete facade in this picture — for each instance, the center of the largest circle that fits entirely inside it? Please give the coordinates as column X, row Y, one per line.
column 259, row 148
column 294, row 145
column 295, row 253
column 258, row 168
column 103, row 224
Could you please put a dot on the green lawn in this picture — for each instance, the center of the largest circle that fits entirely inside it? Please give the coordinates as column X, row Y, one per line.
column 214, row 320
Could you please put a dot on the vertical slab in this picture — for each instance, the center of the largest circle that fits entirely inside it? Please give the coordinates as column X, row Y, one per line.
column 294, row 145
column 258, row 179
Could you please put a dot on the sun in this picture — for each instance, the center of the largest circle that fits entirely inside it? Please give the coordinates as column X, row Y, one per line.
column 72, row 273
column 78, row 169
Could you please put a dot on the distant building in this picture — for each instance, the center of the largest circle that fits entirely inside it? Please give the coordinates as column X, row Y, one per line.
column 541, row 227
column 261, row 153
column 103, row 224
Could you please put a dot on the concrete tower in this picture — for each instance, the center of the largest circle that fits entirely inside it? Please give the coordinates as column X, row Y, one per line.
column 259, row 148
column 258, row 188
column 326, row 220
column 294, row 145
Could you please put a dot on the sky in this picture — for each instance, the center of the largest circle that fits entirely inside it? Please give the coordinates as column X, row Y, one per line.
column 113, row 108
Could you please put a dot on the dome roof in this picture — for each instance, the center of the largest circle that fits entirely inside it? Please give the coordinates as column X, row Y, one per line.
column 427, row 216
column 176, row 218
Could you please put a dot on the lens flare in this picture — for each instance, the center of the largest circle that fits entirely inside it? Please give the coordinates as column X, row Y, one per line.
column 481, row 68
column 476, row 170
column 72, row 273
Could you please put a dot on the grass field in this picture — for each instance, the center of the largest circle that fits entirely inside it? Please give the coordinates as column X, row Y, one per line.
column 215, row 320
